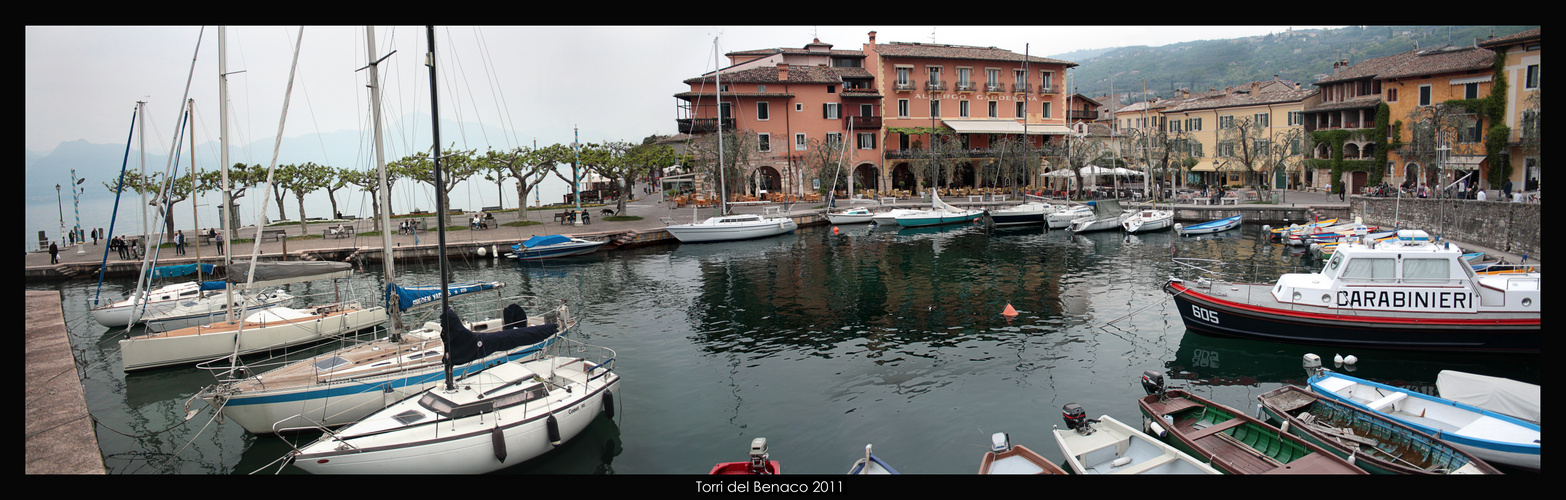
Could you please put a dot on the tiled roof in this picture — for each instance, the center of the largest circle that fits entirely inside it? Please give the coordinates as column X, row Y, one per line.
column 1360, row 102
column 796, row 74
column 1429, row 61
column 1510, row 39
column 1241, row 98
column 937, row 51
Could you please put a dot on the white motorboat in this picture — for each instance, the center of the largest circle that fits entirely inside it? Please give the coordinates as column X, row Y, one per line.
column 732, row 228
column 1061, row 218
column 856, row 215
column 552, row 246
column 1406, row 293
column 1106, row 215
column 1107, row 446
column 1146, row 220
column 1032, row 212
column 271, row 328
column 209, row 307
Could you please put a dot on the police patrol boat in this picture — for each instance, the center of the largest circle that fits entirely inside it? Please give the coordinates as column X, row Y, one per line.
column 1405, row 293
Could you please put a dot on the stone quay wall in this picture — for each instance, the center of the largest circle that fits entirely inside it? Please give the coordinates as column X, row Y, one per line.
column 1509, row 227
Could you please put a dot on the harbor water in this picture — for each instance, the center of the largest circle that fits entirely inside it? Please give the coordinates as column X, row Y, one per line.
column 821, row 341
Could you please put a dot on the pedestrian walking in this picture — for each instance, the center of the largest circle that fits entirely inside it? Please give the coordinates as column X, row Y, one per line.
column 118, row 244
column 54, row 253
column 179, row 242
column 217, row 237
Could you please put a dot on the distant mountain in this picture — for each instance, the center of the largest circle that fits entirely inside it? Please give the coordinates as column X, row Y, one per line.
column 1301, row 56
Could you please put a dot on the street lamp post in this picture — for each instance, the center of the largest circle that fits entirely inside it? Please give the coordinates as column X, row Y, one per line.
column 77, row 208
column 58, row 205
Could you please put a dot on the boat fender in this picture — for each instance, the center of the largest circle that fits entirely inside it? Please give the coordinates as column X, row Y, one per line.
column 1120, row 462
column 498, row 438
column 553, row 426
column 1157, row 430
column 609, row 404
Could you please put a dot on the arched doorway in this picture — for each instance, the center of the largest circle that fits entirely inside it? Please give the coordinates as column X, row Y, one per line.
column 866, row 176
column 765, row 179
column 903, row 178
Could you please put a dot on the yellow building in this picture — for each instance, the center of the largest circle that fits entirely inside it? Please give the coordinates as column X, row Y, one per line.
column 1522, row 107
column 1250, row 135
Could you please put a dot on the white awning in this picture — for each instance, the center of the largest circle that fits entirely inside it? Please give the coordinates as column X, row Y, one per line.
column 1003, row 127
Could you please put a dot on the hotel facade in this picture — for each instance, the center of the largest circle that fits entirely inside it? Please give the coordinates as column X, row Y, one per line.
column 794, row 118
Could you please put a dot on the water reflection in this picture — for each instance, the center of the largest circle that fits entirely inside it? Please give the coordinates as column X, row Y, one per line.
column 821, row 342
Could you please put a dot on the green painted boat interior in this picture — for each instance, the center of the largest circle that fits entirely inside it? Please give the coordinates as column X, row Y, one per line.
column 1251, row 434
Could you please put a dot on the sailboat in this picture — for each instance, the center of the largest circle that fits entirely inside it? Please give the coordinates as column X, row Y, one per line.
column 940, row 213
column 348, row 384
column 499, row 416
column 726, row 226
column 272, row 328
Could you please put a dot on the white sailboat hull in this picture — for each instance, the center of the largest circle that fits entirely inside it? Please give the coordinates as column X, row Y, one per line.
column 271, row 328
column 732, row 228
column 209, row 308
column 472, row 444
column 162, row 300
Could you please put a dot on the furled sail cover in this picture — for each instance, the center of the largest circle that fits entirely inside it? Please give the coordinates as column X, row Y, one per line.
column 464, row 345
column 409, row 297
column 270, row 273
column 178, row 270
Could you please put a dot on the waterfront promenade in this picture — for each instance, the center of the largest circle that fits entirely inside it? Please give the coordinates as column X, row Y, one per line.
column 651, row 209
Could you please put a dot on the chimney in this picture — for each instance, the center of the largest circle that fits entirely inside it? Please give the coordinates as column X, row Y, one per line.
column 872, row 38
column 783, row 71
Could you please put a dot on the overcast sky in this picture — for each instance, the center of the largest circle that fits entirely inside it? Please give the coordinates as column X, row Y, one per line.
column 613, row 82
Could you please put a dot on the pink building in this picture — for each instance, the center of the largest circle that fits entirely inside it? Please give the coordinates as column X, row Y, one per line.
column 799, row 116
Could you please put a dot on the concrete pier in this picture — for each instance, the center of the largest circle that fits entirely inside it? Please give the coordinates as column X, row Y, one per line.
column 60, row 436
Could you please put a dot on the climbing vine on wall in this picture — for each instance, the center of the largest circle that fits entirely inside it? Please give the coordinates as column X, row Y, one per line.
column 1493, row 108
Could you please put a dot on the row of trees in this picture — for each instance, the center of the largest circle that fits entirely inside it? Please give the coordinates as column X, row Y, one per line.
column 619, row 162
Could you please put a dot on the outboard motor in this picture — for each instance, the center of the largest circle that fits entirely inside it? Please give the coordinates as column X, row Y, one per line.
column 1000, row 442
column 1312, row 364
column 1076, row 419
column 758, row 456
column 1153, row 383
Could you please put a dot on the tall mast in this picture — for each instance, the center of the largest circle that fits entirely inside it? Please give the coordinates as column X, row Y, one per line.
column 385, row 192
column 227, row 222
column 717, row 80
column 440, row 200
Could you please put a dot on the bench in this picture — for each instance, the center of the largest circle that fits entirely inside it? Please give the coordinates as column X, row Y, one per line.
column 279, row 234
column 338, row 232
column 562, row 217
column 203, row 239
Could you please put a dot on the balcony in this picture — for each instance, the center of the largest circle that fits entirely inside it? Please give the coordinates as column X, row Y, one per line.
column 1047, row 89
column 994, row 87
column 903, row 86
column 864, row 122
column 1081, row 115
column 703, row 125
column 935, row 86
column 1021, row 88
column 967, row 86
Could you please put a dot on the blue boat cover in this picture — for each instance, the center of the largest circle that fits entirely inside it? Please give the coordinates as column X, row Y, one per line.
column 178, row 270
column 412, row 296
column 464, row 345
column 548, row 239
column 213, row 285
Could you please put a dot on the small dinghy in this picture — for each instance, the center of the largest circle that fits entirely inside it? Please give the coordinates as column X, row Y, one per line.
column 1003, row 458
column 1107, row 446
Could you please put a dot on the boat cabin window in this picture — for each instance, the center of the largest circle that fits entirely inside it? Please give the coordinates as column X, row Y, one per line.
column 1426, row 270
column 1370, row 269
